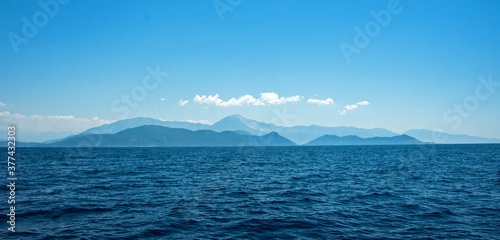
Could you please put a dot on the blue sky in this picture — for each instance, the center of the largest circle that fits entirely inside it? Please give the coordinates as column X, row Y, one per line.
column 285, row 57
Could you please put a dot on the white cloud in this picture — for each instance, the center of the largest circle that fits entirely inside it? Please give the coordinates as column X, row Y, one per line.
column 210, row 100
column 162, row 99
column 54, row 123
column 2, row 104
column 320, row 102
column 243, row 100
column 267, row 98
column 4, row 115
column 183, row 102
column 200, row 121
column 363, row 103
column 352, row 107
column 273, row 98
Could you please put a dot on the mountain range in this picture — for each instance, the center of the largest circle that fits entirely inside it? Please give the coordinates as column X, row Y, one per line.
column 297, row 134
column 440, row 137
column 236, row 130
column 158, row 136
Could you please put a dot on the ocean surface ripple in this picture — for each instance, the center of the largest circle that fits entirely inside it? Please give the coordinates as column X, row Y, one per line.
column 341, row 192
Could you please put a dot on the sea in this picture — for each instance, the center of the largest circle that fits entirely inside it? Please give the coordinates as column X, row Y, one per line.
column 330, row 192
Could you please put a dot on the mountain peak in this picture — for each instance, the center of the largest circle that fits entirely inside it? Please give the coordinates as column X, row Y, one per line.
column 236, row 116
column 272, row 134
column 238, row 122
column 233, row 118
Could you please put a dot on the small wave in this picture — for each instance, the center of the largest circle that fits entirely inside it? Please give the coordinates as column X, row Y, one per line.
column 274, row 224
column 438, row 214
column 61, row 212
column 155, row 232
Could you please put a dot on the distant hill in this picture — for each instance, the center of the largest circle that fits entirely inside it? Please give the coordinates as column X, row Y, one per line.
column 142, row 121
column 298, row 134
column 158, row 136
column 243, row 126
column 4, row 143
column 304, row 134
column 132, row 123
column 328, row 140
column 440, row 137
column 238, row 122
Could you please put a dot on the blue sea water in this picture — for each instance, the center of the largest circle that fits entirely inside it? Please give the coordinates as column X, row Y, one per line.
column 341, row 192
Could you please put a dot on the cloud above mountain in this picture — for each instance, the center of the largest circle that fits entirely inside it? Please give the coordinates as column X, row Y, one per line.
column 320, row 102
column 265, row 99
column 183, row 102
column 363, row 103
column 352, row 107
